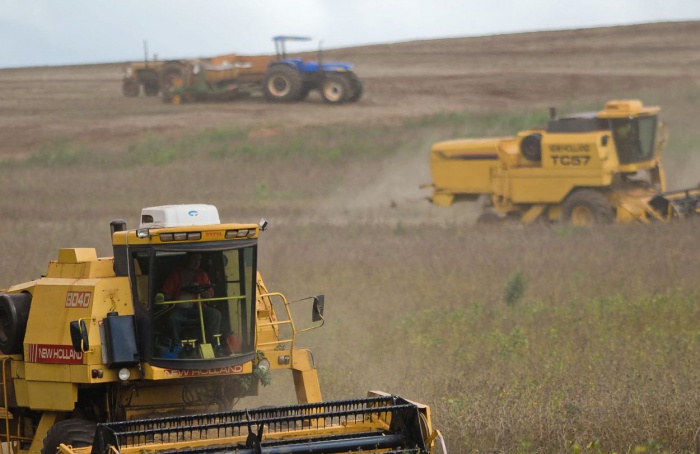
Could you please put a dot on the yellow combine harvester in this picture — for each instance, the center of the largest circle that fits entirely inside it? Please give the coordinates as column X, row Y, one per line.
column 590, row 168
column 92, row 358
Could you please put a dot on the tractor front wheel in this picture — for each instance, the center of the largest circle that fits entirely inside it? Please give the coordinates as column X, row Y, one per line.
column 335, row 89
column 587, row 207
column 79, row 433
column 282, row 84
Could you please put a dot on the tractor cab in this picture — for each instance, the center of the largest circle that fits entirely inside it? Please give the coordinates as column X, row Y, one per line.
column 191, row 315
column 301, row 65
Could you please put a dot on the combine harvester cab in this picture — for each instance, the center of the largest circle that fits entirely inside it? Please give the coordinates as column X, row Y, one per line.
column 583, row 169
column 94, row 347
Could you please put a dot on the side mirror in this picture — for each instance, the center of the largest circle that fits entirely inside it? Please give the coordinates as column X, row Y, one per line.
column 79, row 336
column 317, row 311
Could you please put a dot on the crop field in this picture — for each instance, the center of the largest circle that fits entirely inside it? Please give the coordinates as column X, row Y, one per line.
column 522, row 340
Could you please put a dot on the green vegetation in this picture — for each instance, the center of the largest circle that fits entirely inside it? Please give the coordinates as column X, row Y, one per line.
column 329, row 143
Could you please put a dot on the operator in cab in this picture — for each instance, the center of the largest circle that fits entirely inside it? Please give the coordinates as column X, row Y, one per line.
column 188, row 282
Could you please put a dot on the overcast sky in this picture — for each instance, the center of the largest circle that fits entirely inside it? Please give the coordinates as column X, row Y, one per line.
column 61, row 32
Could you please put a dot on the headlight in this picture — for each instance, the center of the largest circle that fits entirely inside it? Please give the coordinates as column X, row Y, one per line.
column 264, row 365
column 124, row 374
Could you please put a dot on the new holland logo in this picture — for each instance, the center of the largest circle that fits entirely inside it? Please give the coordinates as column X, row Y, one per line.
column 203, row 372
column 61, row 354
column 78, row 299
column 193, row 213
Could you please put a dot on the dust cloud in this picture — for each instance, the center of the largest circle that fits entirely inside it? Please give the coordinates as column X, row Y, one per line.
column 390, row 194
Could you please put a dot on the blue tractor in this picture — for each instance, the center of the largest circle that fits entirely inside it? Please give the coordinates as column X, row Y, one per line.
column 291, row 79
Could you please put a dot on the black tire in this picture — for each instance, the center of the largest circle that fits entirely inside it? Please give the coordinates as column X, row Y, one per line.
column 356, row 88
column 586, row 207
column 488, row 218
column 14, row 313
column 130, row 88
column 531, row 147
column 78, row 433
column 282, row 83
column 335, row 88
column 305, row 90
column 151, row 88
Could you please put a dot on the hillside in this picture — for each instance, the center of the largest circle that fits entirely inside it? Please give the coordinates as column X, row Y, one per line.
column 495, row 73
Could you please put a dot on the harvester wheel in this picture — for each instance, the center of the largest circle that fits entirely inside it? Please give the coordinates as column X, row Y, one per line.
column 14, row 313
column 335, row 89
column 130, row 88
column 488, row 218
column 282, row 83
column 78, row 433
column 355, row 88
column 586, row 207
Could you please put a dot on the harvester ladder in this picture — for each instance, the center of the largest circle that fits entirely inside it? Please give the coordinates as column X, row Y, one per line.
column 6, row 415
column 7, row 438
column 277, row 323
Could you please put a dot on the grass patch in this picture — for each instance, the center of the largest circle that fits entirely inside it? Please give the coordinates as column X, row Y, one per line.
column 60, row 153
column 475, row 125
column 332, row 144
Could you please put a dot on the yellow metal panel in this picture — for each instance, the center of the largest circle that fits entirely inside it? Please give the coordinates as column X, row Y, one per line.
column 48, row 372
column 48, row 419
column 307, row 386
column 623, row 108
column 52, row 396
column 159, row 373
column 572, row 152
column 464, row 166
column 65, row 300
column 215, row 232
column 21, row 392
column 77, row 255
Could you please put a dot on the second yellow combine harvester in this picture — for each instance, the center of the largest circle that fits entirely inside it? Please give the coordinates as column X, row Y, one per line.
column 91, row 361
column 590, row 168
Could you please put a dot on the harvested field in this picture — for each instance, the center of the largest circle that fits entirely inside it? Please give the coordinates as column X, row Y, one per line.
column 599, row 353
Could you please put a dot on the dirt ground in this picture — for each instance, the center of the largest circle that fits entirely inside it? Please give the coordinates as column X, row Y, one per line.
column 495, row 73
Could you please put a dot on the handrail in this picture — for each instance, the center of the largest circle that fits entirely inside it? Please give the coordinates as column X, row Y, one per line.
column 6, row 416
column 288, row 321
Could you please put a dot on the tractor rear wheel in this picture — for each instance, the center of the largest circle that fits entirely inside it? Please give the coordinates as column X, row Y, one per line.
column 130, row 88
column 335, row 89
column 282, row 83
column 78, row 433
column 355, row 88
column 587, row 207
